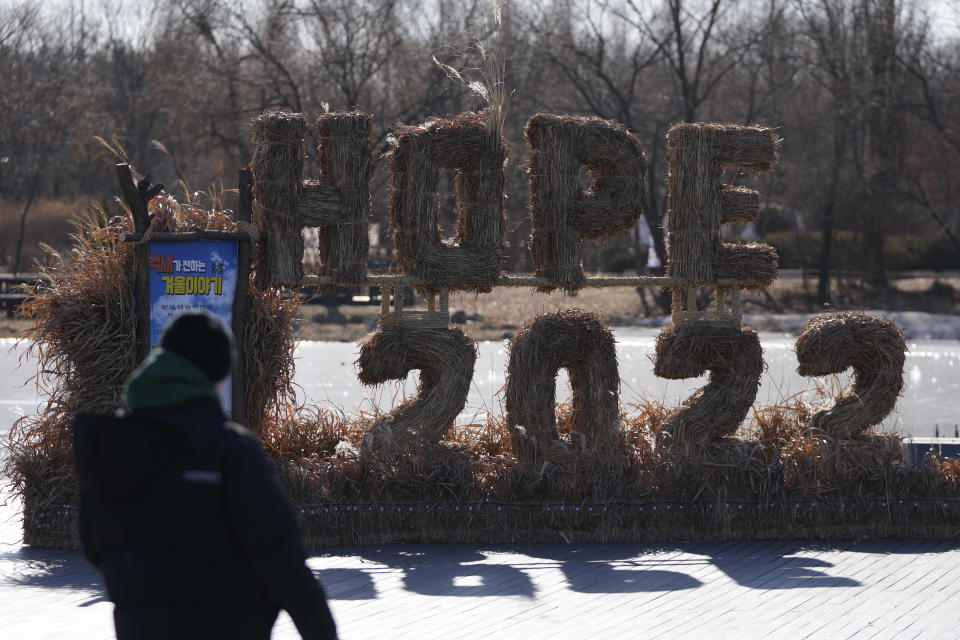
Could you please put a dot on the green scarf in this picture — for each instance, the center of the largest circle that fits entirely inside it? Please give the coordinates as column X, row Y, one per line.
column 166, row 379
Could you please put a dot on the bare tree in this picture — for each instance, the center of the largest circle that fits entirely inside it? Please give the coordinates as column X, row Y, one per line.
column 37, row 106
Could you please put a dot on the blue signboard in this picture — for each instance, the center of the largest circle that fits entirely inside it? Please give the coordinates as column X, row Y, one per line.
column 196, row 274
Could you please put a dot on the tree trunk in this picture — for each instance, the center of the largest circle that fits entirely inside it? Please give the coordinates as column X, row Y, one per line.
column 826, row 251
column 840, row 123
column 23, row 227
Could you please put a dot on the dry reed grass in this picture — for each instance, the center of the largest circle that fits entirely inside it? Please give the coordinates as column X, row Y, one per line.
column 172, row 216
column 564, row 214
column 775, row 478
column 472, row 260
column 874, row 348
column 584, row 346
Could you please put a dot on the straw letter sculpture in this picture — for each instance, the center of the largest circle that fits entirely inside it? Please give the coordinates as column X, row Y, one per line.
column 445, row 358
column 579, row 342
column 874, row 348
column 732, row 355
column 697, row 204
column 472, row 260
column 564, row 214
column 339, row 203
column 277, row 169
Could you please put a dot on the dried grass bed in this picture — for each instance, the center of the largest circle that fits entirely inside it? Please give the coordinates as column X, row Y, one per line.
column 697, row 204
column 445, row 359
column 471, row 260
column 277, row 169
column 580, row 343
column 734, row 358
column 564, row 214
column 874, row 348
column 775, row 480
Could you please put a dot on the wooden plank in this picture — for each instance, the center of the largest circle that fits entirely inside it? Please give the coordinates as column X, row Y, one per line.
column 230, row 236
column 243, row 214
column 137, row 196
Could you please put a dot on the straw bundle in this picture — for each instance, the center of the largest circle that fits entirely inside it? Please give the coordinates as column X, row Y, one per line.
column 753, row 264
column 445, row 358
column 739, row 205
column 698, row 204
column 874, row 348
column 339, row 202
column 579, row 342
column 277, row 168
column 564, row 214
column 472, row 259
column 268, row 346
column 732, row 355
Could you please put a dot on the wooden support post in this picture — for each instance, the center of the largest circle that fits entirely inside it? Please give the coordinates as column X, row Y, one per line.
column 735, row 299
column 720, row 299
column 384, row 300
column 445, row 301
column 692, row 299
column 137, row 195
column 676, row 305
column 431, row 302
column 239, row 317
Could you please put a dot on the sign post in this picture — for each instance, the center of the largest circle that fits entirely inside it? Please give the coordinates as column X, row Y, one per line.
column 174, row 272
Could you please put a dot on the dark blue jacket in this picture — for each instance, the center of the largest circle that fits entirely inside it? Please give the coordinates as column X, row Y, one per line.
column 184, row 516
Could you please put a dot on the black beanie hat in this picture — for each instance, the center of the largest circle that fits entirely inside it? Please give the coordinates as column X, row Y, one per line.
column 203, row 339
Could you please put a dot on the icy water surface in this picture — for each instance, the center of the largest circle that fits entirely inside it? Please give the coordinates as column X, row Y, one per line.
column 327, row 376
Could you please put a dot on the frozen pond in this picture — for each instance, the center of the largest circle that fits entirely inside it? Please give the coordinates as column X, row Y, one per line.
column 327, row 376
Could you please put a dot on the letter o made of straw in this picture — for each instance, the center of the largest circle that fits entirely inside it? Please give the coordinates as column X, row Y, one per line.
column 445, row 358
column 874, row 348
column 580, row 343
column 732, row 355
column 565, row 214
column 473, row 260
